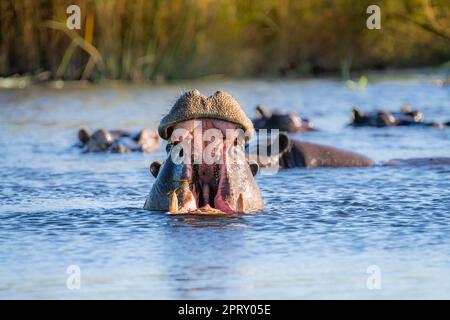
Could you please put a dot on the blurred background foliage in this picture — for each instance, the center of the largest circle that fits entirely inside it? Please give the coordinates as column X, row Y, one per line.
column 185, row 39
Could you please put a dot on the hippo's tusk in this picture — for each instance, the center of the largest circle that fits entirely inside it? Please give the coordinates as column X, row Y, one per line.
column 173, row 207
column 240, row 204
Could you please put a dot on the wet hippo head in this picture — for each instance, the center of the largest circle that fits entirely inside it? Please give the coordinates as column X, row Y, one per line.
column 205, row 169
column 288, row 122
column 409, row 116
column 101, row 140
column 118, row 141
column 405, row 117
column 146, row 140
column 373, row 119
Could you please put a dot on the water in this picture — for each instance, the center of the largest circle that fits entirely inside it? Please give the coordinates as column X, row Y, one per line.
column 319, row 233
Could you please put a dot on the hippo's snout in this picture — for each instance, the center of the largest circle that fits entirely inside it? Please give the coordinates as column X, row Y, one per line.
column 216, row 188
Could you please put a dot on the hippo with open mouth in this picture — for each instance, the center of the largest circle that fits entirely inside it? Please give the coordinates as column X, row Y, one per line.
column 206, row 170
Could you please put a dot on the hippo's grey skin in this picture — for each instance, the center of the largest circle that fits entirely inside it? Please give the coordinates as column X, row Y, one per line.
column 118, row 141
column 294, row 153
column 287, row 122
column 380, row 119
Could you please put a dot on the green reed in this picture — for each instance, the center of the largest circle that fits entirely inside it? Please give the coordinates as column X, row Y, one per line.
column 185, row 39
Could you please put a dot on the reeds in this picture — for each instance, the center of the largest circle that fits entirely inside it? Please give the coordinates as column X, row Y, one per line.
column 183, row 39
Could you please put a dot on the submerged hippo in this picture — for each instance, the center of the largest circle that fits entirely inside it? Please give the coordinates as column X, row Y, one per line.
column 118, row 141
column 379, row 119
column 293, row 153
column 288, row 122
column 202, row 173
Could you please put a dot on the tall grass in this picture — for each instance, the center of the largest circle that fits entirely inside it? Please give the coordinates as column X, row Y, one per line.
column 179, row 39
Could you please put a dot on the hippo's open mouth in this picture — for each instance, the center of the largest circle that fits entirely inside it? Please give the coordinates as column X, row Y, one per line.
column 208, row 192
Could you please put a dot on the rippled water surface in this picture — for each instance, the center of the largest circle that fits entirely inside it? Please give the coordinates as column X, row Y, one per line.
column 319, row 233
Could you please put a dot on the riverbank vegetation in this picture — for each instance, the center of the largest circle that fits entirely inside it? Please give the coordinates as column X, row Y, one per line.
column 143, row 40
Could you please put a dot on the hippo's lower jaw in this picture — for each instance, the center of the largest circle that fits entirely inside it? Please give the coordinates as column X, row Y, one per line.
column 207, row 193
column 220, row 207
column 204, row 188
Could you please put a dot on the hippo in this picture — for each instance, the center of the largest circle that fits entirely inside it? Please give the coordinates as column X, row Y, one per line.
column 380, row 119
column 288, row 122
column 117, row 141
column 294, row 153
column 186, row 182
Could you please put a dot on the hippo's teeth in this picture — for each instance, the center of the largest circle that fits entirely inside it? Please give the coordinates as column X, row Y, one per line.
column 240, row 203
column 194, row 193
column 173, row 207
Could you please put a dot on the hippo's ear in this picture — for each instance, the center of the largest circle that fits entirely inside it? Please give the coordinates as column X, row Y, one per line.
column 357, row 114
column 283, row 140
column 254, row 167
column 154, row 168
column 262, row 112
column 84, row 134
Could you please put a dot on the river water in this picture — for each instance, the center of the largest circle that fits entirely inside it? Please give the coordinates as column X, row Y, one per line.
column 320, row 234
